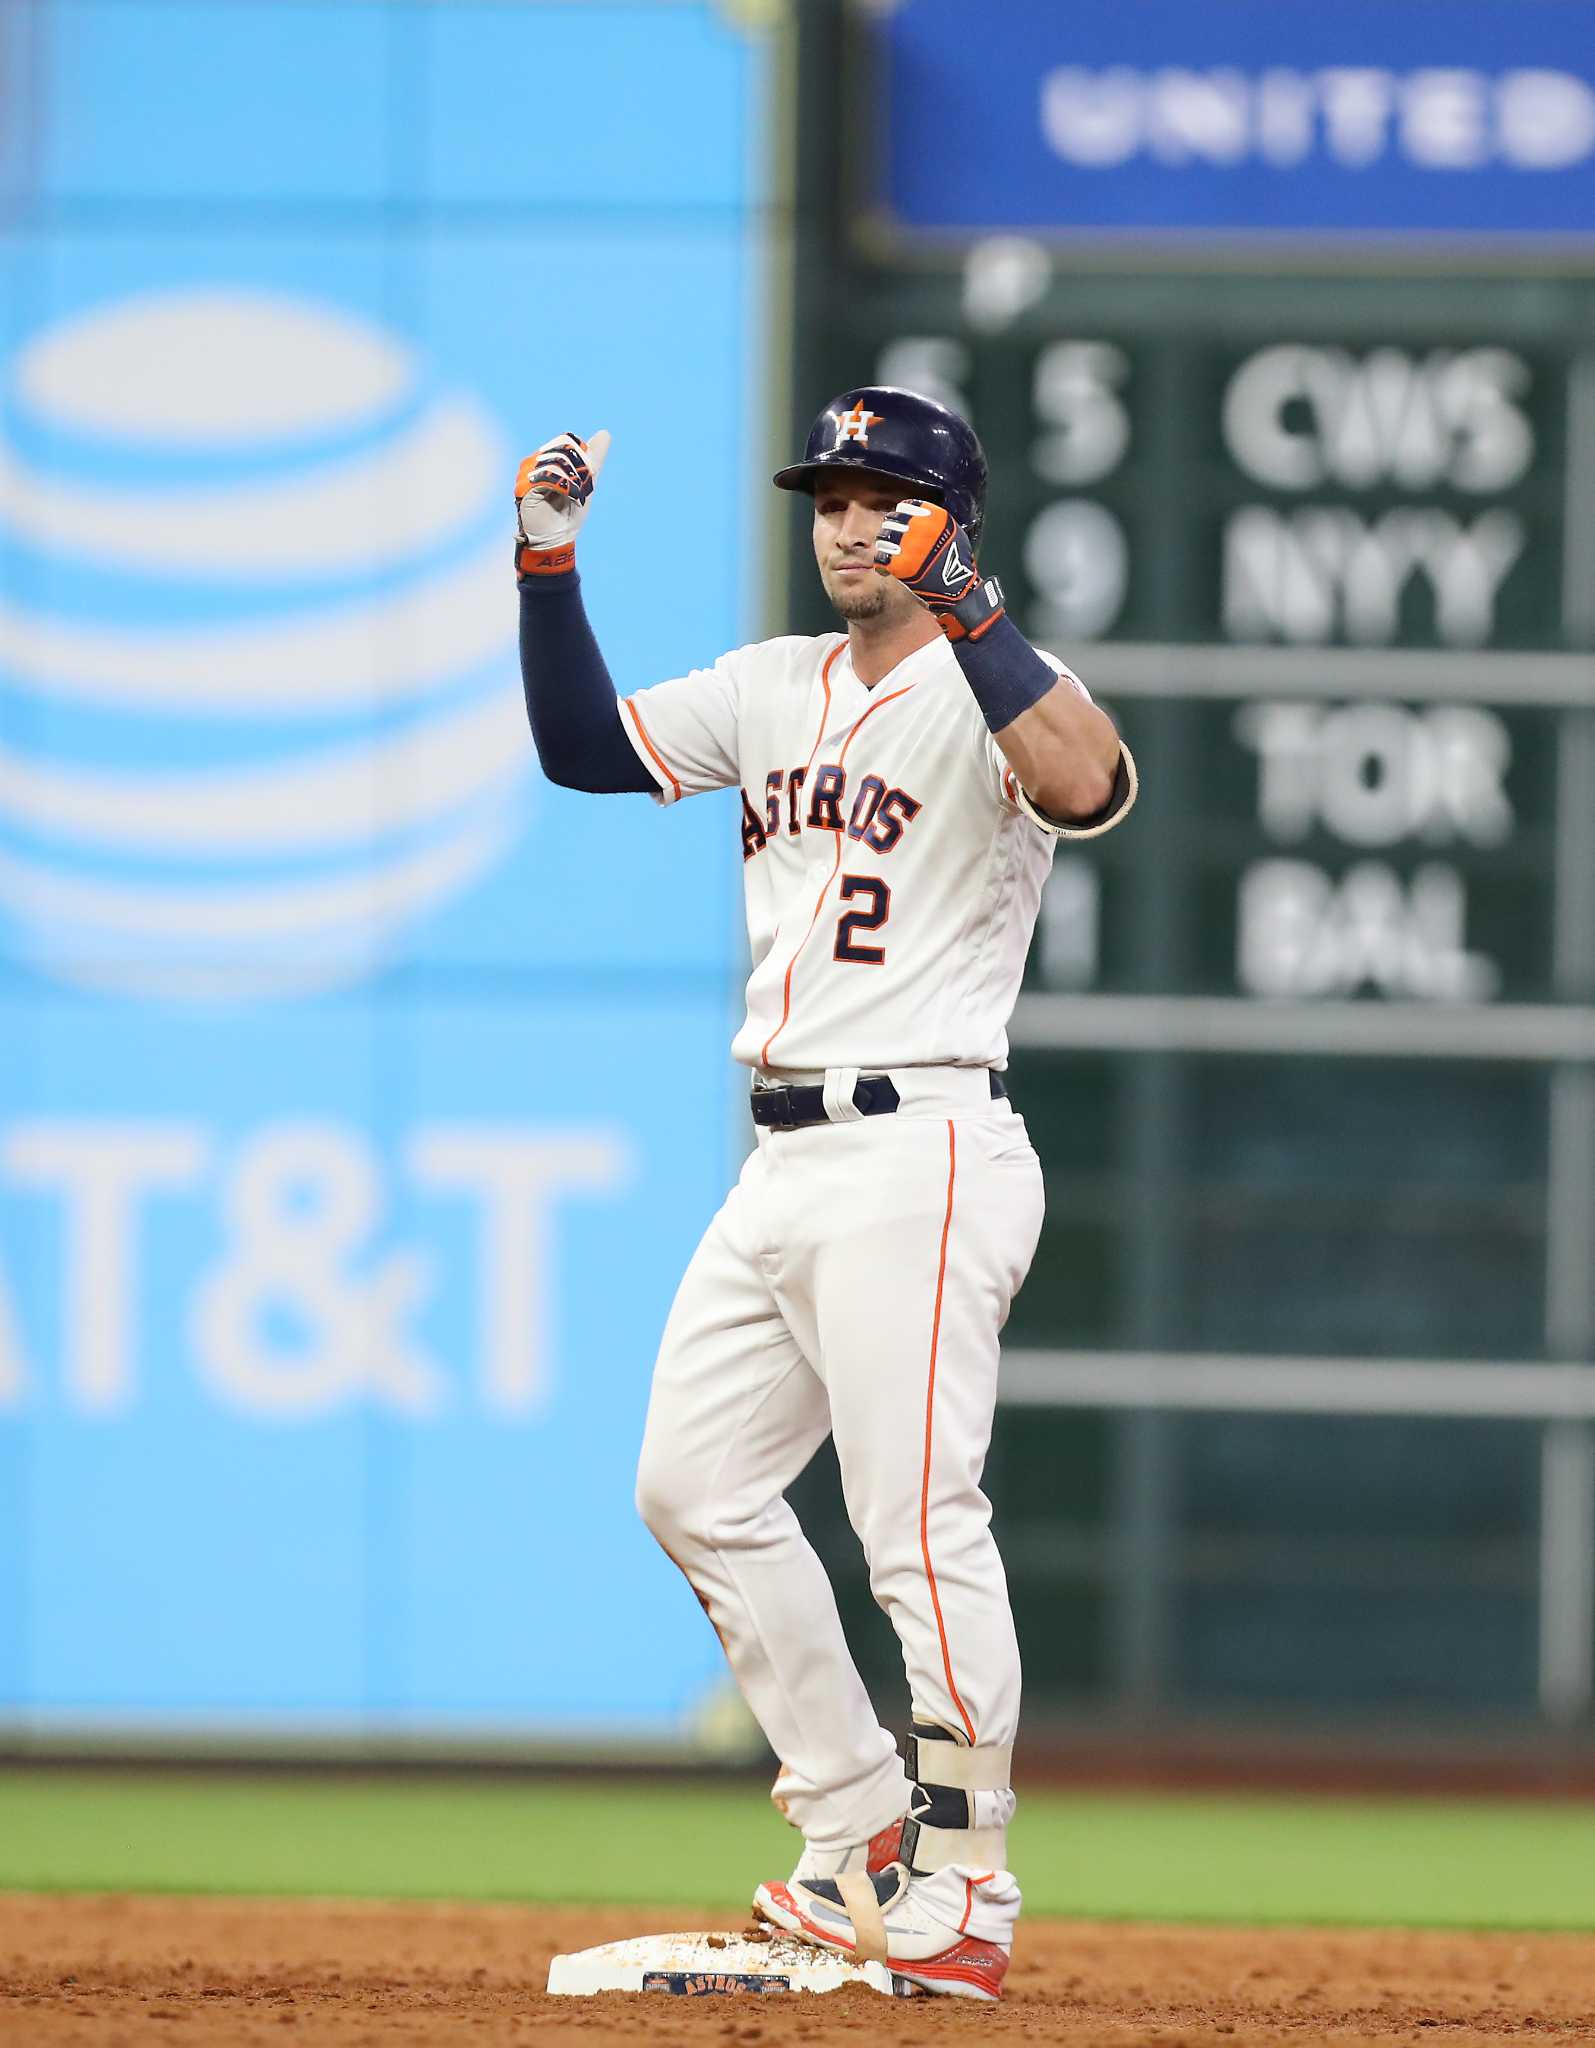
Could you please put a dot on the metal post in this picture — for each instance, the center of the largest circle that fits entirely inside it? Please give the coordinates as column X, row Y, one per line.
column 1146, row 1477
column 1567, row 1457
column 1567, row 1571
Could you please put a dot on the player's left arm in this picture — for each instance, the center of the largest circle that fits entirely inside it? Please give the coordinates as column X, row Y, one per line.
column 1066, row 756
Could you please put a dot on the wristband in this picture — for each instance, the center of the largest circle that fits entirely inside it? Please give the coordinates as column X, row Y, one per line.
column 1004, row 672
column 545, row 560
column 530, row 561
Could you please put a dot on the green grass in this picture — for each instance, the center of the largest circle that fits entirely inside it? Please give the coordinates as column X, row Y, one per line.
column 1487, row 1863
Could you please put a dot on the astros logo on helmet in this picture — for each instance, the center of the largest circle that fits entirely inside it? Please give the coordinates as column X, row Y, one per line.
column 854, row 425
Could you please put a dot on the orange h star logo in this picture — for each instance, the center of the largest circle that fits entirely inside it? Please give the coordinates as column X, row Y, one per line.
column 854, row 425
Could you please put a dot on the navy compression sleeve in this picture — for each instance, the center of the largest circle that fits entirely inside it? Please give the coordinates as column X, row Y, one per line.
column 570, row 699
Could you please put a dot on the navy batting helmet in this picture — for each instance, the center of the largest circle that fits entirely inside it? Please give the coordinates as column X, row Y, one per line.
column 880, row 431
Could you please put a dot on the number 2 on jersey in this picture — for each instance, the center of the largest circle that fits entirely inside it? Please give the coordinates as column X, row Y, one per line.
column 852, row 922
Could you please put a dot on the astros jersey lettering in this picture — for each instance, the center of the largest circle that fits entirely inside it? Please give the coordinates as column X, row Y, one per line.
column 891, row 874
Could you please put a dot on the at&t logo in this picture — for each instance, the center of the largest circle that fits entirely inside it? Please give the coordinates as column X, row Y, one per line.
column 258, row 705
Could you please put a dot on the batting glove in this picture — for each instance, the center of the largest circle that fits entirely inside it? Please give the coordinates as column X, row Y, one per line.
column 923, row 546
column 551, row 494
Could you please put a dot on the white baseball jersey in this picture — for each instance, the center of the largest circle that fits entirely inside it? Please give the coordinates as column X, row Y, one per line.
column 892, row 866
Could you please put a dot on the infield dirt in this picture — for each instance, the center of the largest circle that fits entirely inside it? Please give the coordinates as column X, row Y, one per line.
column 111, row 1970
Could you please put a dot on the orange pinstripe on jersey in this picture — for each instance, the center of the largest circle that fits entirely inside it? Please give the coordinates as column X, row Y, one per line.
column 825, row 712
column 825, row 709
column 642, row 734
column 930, row 1420
column 819, row 905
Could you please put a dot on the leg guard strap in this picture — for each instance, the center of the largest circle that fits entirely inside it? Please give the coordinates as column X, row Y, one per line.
column 934, row 1848
column 960, row 1805
column 940, row 1762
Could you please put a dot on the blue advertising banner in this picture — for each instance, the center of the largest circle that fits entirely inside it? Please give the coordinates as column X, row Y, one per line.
column 1277, row 118
column 335, row 1233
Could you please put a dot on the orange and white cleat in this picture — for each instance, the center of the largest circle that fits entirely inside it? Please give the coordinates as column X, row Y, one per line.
column 879, row 1853
column 883, row 1850
column 949, row 1931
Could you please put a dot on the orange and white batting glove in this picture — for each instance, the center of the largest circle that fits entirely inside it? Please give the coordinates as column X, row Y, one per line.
column 923, row 546
column 551, row 493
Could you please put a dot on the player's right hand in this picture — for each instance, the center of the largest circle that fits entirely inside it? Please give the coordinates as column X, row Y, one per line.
column 552, row 488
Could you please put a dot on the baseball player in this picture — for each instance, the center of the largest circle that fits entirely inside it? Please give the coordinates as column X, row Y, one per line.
column 904, row 781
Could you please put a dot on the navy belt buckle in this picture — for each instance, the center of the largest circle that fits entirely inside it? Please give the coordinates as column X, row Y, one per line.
column 877, row 1096
column 772, row 1109
column 781, row 1116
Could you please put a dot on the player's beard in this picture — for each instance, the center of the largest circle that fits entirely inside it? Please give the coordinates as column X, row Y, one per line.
column 859, row 597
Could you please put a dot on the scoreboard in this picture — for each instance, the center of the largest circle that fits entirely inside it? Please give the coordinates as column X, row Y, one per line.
column 1273, row 480
column 1308, row 1047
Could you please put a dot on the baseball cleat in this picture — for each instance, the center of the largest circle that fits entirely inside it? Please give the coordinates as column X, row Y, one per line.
column 884, row 1849
column 949, row 1932
column 879, row 1853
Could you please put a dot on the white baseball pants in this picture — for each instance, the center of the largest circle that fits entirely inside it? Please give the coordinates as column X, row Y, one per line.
column 853, row 1284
